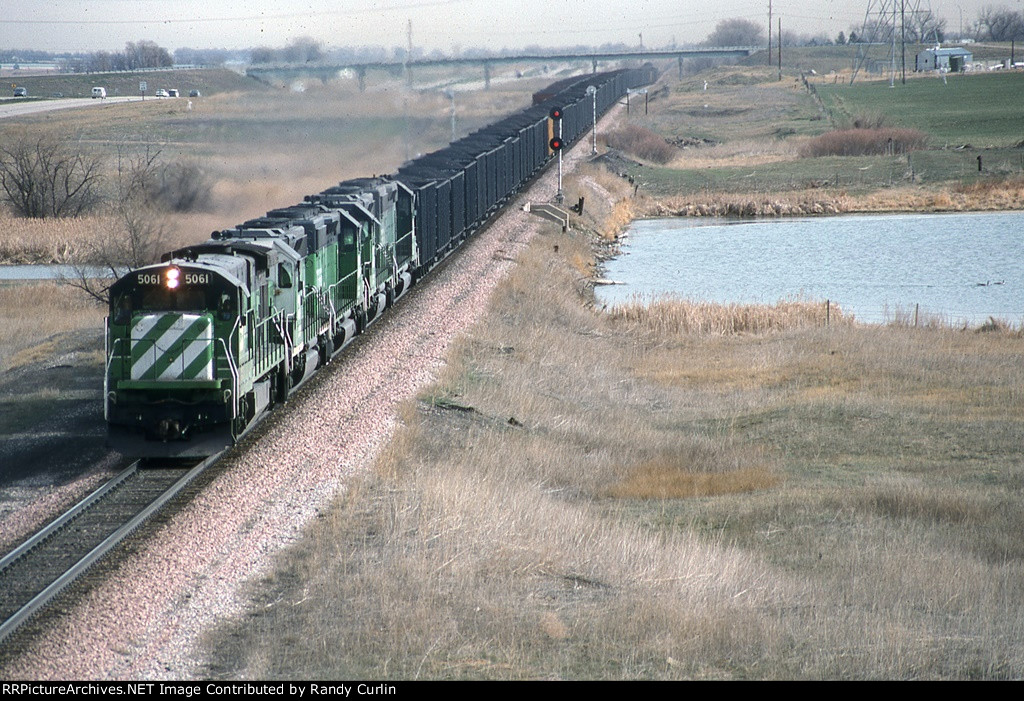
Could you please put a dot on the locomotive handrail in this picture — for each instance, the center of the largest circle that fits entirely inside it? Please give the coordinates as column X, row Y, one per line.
column 275, row 319
column 106, row 378
column 314, row 321
column 234, row 376
column 343, row 280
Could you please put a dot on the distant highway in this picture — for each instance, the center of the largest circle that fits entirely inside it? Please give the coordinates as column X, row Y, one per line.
column 19, row 107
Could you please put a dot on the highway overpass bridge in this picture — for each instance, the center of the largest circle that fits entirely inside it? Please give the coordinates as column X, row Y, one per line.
column 325, row 72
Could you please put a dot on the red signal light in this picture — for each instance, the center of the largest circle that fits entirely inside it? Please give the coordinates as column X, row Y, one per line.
column 556, row 144
column 556, row 113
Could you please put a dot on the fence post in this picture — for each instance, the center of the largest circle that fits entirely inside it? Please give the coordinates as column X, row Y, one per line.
column 828, row 312
column 917, row 307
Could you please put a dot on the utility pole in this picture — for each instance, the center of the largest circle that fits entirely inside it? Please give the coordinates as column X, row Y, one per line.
column 769, row 32
column 408, row 52
column 780, row 48
column 451, row 96
column 592, row 91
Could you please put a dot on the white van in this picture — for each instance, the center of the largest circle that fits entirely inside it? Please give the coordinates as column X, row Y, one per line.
column 99, row 92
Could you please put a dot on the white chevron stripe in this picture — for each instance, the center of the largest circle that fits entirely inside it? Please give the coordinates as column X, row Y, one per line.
column 167, row 342
column 176, row 370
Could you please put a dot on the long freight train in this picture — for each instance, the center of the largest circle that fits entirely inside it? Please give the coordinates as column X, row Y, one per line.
column 200, row 345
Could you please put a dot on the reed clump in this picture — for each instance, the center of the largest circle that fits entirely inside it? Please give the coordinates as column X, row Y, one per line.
column 642, row 143
column 670, row 316
column 865, row 142
column 44, row 241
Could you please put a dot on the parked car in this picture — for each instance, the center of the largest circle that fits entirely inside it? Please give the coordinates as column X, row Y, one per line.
column 21, row 92
column 161, row 93
column 194, row 93
column 172, row 93
column 99, row 92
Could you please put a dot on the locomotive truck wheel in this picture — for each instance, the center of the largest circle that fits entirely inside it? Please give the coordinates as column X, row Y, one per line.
column 246, row 412
column 282, row 385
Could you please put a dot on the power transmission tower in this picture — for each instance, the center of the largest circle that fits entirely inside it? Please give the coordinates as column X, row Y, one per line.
column 879, row 29
column 884, row 25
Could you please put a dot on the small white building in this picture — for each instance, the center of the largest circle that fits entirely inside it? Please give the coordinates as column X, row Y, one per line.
column 951, row 60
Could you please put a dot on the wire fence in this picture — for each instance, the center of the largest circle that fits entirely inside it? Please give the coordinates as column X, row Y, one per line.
column 916, row 314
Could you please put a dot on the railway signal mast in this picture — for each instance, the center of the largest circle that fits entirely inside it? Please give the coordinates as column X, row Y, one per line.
column 592, row 91
column 556, row 145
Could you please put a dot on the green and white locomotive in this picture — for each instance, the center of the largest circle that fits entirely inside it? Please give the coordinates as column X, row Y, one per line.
column 201, row 344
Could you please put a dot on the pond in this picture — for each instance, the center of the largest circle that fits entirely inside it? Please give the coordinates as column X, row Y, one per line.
column 49, row 272
column 960, row 267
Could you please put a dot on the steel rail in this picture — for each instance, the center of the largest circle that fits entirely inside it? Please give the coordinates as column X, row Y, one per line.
column 76, row 570
column 68, row 516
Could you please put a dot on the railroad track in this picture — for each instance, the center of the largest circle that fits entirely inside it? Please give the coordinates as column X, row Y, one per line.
column 34, row 573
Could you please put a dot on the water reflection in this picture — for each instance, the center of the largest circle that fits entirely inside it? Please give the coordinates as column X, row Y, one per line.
column 965, row 267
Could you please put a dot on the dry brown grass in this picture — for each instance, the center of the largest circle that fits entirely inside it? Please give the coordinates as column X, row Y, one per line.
column 668, row 316
column 482, row 550
column 32, row 313
column 584, row 496
column 698, row 469
column 739, row 153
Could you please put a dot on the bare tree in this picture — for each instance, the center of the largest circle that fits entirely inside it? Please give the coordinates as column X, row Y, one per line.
column 999, row 24
column 302, row 50
column 136, row 233
column 736, row 32
column 146, row 54
column 46, row 175
column 924, row 26
column 184, row 187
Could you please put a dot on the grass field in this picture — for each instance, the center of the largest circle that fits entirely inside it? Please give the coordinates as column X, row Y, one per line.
column 671, row 493
column 743, row 132
column 980, row 109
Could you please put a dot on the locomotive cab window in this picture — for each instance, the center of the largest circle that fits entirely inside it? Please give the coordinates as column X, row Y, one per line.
column 198, row 292
column 284, row 277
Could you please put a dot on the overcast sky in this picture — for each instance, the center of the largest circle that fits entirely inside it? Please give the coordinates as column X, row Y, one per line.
column 90, row 25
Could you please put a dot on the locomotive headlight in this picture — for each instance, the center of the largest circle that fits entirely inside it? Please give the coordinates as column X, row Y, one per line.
column 172, row 278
